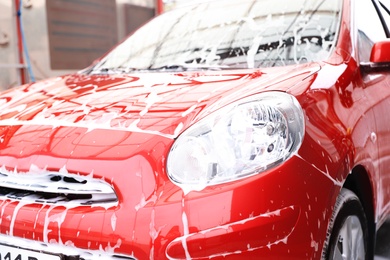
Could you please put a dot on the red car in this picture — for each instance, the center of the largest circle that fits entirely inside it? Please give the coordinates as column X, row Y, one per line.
column 237, row 129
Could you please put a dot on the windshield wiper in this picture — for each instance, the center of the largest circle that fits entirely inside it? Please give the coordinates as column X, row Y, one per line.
column 168, row 68
column 189, row 67
column 117, row 70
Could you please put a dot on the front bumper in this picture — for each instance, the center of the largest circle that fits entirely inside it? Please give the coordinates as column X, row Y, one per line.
column 251, row 234
column 279, row 213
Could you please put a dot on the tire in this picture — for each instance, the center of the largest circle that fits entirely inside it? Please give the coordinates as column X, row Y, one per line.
column 347, row 236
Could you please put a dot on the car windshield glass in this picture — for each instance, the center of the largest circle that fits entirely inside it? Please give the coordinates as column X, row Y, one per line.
column 229, row 34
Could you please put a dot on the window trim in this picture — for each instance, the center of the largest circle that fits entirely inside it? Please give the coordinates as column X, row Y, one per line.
column 377, row 5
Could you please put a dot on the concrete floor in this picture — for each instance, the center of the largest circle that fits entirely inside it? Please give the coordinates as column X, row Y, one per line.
column 382, row 250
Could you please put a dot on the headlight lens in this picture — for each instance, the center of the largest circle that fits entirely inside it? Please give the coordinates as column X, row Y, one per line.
column 240, row 140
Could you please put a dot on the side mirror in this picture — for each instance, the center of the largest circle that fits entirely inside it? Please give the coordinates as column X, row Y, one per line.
column 379, row 59
column 380, row 52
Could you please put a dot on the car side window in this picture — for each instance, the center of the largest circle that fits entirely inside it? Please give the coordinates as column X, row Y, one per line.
column 369, row 29
column 384, row 6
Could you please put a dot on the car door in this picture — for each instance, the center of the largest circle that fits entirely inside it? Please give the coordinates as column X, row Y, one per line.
column 370, row 21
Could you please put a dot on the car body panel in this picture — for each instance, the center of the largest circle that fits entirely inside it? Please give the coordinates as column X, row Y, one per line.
column 119, row 129
column 85, row 144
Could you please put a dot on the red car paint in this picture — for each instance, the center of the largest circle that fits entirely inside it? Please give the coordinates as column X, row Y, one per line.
column 120, row 128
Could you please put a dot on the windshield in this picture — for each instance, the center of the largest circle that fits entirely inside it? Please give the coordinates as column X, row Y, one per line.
column 229, row 35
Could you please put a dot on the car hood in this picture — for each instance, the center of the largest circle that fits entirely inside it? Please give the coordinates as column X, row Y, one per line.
column 89, row 124
column 158, row 103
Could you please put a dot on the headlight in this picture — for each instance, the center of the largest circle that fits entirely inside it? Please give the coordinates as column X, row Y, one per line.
column 240, row 140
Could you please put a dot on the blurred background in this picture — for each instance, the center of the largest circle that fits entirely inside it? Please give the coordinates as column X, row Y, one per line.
column 46, row 38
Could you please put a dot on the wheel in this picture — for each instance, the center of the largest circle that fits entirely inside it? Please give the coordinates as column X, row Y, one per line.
column 348, row 231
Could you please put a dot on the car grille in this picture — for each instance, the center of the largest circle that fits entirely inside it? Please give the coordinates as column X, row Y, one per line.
column 17, row 245
column 55, row 188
